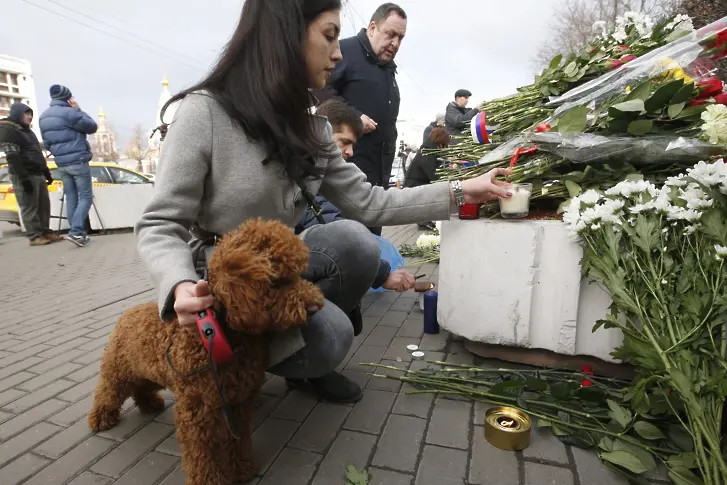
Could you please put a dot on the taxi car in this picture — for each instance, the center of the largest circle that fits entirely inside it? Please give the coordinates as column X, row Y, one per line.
column 102, row 174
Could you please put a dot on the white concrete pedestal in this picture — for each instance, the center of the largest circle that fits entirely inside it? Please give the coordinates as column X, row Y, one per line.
column 518, row 283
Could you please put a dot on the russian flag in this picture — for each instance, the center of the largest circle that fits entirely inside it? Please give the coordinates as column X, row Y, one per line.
column 480, row 130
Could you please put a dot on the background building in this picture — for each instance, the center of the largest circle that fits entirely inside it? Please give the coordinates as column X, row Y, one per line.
column 103, row 142
column 17, row 85
column 154, row 145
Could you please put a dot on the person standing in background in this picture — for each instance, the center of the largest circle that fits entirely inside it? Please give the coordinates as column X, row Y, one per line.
column 438, row 121
column 64, row 128
column 458, row 114
column 365, row 79
column 29, row 173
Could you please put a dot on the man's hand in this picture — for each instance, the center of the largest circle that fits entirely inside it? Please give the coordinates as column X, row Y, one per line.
column 73, row 103
column 368, row 123
column 400, row 281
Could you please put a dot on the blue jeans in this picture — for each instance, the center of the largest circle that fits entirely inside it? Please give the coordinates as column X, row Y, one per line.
column 343, row 262
column 78, row 189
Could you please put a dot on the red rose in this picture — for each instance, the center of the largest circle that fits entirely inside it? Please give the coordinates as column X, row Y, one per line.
column 628, row 58
column 721, row 99
column 542, row 127
column 613, row 64
column 587, row 369
column 621, row 48
column 709, row 87
column 586, row 383
column 697, row 102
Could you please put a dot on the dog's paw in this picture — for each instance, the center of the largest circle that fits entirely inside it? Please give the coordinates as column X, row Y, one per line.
column 102, row 419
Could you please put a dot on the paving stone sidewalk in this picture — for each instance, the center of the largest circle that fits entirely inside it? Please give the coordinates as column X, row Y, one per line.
column 59, row 304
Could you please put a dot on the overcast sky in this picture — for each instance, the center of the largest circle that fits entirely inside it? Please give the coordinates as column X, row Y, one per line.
column 486, row 46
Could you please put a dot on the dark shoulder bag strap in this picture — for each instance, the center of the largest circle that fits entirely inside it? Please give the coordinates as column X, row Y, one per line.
column 310, row 200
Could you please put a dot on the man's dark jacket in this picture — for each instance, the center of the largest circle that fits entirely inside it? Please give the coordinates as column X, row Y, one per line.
column 422, row 170
column 428, row 130
column 456, row 117
column 369, row 86
column 20, row 145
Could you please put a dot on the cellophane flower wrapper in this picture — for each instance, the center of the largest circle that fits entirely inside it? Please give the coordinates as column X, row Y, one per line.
column 691, row 55
column 592, row 149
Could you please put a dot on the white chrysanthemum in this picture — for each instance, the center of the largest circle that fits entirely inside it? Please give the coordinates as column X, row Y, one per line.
column 678, row 181
column 695, row 197
column 709, row 174
column 715, row 124
column 428, row 240
column 721, row 250
column 676, row 213
column 600, row 27
column 591, row 197
column 682, row 23
column 627, row 188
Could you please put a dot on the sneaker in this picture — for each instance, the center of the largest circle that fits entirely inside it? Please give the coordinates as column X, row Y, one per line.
column 333, row 387
column 40, row 241
column 79, row 241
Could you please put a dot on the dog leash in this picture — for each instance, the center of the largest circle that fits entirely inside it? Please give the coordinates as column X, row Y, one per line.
column 226, row 409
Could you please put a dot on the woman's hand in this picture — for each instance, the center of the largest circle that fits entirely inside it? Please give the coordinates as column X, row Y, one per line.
column 400, row 281
column 486, row 187
column 190, row 299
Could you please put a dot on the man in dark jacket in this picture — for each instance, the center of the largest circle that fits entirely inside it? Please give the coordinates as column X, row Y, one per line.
column 29, row 173
column 64, row 128
column 438, row 122
column 366, row 80
column 458, row 114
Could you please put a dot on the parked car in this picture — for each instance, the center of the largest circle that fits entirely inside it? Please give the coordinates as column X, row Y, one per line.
column 102, row 175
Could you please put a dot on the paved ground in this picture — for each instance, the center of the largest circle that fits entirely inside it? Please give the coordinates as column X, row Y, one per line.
column 59, row 303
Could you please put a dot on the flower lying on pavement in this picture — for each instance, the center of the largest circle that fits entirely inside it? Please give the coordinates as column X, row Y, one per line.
column 428, row 240
column 715, row 124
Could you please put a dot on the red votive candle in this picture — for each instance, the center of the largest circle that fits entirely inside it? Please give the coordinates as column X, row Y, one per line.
column 469, row 211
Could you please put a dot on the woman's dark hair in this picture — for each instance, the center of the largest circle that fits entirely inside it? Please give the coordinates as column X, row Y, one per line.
column 261, row 80
column 439, row 137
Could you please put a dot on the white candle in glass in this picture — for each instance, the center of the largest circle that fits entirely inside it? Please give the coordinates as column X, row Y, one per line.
column 519, row 204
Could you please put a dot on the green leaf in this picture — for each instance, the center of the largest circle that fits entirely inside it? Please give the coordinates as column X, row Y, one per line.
column 682, row 476
column 574, row 190
column 563, row 391
column 573, row 120
column 633, row 105
column 646, row 458
column 663, row 96
column 555, row 62
column 619, row 414
column 648, row 431
column 537, row 384
column 674, row 109
column 686, row 460
column 626, row 460
column 642, row 91
column 691, row 111
column 543, row 423
column 606, row 444
column 684, row 94
column 545, row 91
column 560, row 431
column 570, row 69
column 640, row 127
column 508, row 388
column 355, row 477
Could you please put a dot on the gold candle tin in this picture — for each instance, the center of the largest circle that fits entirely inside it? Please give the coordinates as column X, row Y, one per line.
column 507, row 428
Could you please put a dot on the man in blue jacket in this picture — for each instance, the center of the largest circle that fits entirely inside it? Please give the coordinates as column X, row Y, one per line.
column 366, row 80
column 64, row 128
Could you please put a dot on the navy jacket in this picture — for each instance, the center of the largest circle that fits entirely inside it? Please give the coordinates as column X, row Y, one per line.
column 20, row 145
column 64, row 131
column 370, row 87
column 330, row 213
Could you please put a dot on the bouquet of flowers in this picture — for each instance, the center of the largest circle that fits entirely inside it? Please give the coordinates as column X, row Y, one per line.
column 660, row 253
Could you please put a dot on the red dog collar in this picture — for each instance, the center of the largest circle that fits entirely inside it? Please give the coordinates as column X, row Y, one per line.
column 213, row 337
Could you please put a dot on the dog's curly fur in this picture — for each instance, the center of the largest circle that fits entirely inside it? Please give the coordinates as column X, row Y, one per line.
column 254, row 273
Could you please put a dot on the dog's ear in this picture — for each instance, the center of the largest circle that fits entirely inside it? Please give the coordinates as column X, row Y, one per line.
column 237, row 278
column 292, row 305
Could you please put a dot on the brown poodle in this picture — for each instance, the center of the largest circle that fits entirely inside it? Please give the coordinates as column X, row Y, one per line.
column 254, row 275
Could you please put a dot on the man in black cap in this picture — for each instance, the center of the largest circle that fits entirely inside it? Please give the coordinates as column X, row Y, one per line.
column 458, row 114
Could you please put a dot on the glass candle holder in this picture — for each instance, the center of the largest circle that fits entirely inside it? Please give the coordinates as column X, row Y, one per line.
column 517, row 206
